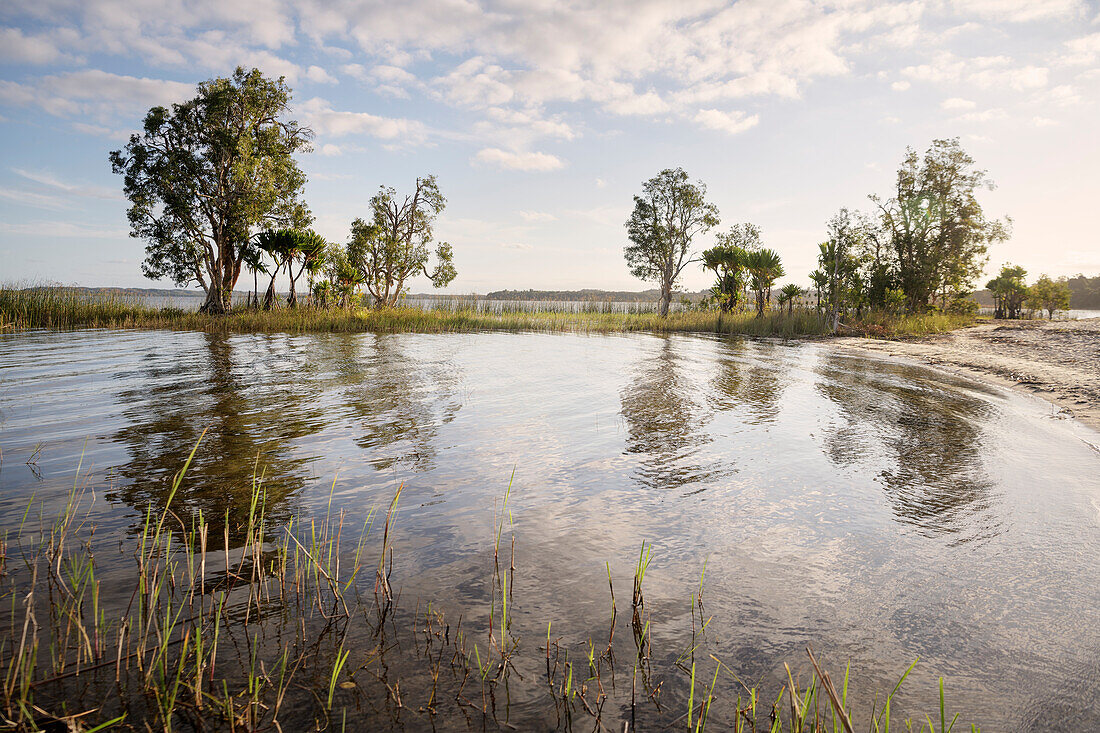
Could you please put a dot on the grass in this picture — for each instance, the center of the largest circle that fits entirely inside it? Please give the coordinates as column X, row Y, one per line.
column 264, row 627
column 60, row 309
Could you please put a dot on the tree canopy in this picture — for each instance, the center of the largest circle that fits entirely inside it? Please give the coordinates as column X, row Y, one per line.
column 205, row 177
column 670, row 212
column 933, row 225
column 394, row 244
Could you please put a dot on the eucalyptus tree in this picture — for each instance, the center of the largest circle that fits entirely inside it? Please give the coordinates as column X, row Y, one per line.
column 670, row 212
column 934, row 224
column 765, row 267
column 394, row 244
column 204, row 177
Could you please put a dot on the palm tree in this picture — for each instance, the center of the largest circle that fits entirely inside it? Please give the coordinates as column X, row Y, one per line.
column 279, row 246
column 787, row 294
column 728, row 264
column 765, row 267
column 819, row 279
column 308, row 247
column 253, row 259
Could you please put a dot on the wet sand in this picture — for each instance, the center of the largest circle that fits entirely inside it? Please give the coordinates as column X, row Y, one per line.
column 1057, row 360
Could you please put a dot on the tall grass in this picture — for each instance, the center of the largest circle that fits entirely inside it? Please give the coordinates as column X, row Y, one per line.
column 265, row 627
column 56, row 308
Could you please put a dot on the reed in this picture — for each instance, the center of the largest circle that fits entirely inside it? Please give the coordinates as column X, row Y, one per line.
column 262, row 626
column 60, row 309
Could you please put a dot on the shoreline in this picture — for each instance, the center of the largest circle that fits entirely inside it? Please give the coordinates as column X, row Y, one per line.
column 1057, row 361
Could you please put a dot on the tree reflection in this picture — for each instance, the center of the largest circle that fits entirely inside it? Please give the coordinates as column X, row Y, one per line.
column 748, row 381
column 396, row 399
column 241, row 392
column 926, row 434
column 664, row 420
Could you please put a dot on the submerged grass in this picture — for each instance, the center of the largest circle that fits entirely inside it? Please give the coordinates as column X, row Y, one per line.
column 60, row 309
column 265, row 628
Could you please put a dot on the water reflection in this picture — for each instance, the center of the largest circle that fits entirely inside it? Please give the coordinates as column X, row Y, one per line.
column 251, row 421
column 395, row 399
column 747, row 383
column 666, row 419
column 925, row 437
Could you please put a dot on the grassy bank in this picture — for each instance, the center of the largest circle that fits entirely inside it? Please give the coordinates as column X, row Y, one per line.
column 60, row 309
column 300, row 625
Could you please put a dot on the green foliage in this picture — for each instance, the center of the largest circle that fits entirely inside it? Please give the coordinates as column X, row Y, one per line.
column 203, row 177
column 764, row 267
column 1049, row 295
column 1009, row 291
column 394, row 244
column 788, row 294
column 933, row 226
column 670, row 212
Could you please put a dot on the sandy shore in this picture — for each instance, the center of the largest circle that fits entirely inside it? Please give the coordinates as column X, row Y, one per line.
column 1059, row 360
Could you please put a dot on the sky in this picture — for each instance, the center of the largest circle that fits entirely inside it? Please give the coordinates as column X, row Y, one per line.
column 541, row 119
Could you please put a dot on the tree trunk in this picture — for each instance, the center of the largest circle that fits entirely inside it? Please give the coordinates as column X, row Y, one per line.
column 666, row 298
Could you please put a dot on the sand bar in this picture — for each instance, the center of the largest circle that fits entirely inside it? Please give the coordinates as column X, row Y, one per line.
column 1057, row 360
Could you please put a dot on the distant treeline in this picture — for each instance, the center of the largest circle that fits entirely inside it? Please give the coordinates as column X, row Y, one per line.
column 590, row 294
column 1084, row 293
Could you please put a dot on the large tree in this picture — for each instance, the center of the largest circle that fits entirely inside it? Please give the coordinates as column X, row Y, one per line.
column 666, row 217
column 935, row 225
column 394, row 245
column 205, row 177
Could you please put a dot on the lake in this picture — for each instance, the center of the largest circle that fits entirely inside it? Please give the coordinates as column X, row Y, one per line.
column 876, row 510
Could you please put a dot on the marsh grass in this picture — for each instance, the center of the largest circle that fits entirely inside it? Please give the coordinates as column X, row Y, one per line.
column 271, row 631
column 60, row 309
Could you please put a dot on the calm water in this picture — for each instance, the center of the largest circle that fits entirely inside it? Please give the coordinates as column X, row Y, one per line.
column 878, row 511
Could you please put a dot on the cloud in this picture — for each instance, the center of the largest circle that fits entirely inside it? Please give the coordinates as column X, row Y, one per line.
column 956, row 103
column 73, row 189
column 537, row 216
column 30, row 198
column 95, row 93
column 1021, row 11
column 319, row 75
column 41, row 49
column 1043, row 122
column 984, row 116
column 61, row 229
column 518, row 161
column 728, row 122
column 326, row 121
column 900, row 86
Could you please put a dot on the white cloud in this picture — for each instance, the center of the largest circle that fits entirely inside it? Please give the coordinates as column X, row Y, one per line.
column 61, row 229
column 95, row 93
column 1083, row 50
column 518, row 161
column 318, row 114
column 956, row 103
column 537, row 216
column 600, row 183
column 728, row 122
column 984, row 116
column 900, row 86
column 1043, row 122
column 319, row 75
column 17, row 47
column 1020, row 11
column 74, row 189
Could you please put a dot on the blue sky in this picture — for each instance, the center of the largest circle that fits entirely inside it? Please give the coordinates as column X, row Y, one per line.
column 541, row 119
